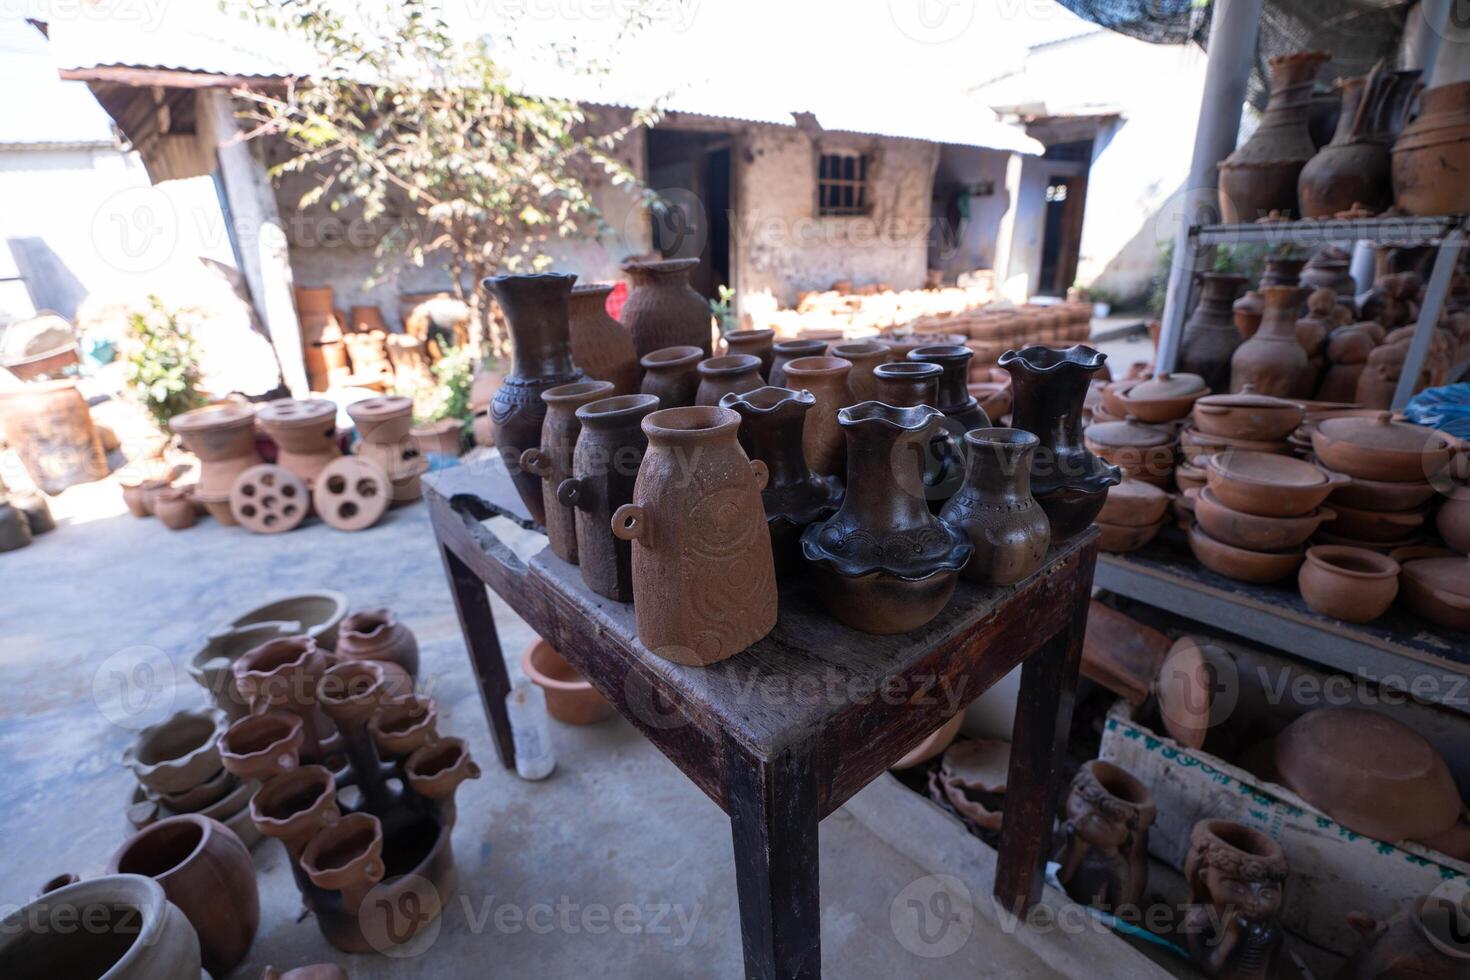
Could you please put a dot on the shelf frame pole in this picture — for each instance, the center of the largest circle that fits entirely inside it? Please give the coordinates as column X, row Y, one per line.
column 1435, row 292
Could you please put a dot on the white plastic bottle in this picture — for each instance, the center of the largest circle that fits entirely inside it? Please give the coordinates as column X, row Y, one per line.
column 530, row 731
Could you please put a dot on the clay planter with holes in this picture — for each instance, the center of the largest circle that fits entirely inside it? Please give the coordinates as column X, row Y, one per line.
column 995, row 509
column 822, row 439
column 864, row 356
column 262, row 746
column 178, row 754
column 403, row 724
column 1241, row 563
column 786, row 351
column 223, row 437
column 759, row 342
column 383, row 424
column 704, row 580
column 1251, row 531
column 1269, row 485
column 207, row 872
column 378, row 634
column 955, row 401
column 174, row 506
column 269, row 499
column 569, row 697
column 1351, row 584
column 551, row 461
column 305, row 433
column 605, row 467
column 731, row 374
column 672, row 375
column 662, row 309
column 351, row 493
column 601, row 346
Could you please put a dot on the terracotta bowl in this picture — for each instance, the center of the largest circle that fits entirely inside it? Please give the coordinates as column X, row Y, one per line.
column 1376, row 495
column 1150, row 409
column 1324, row 536
column 1381, row 449
column 1376, row 527
column 1350, row 584
column 1121, row 538
column 1134, row 503
column 569, row 698
column 1438, row 588
column 1240, row 564
column 1247, row 416
column 1192, row 442
column 1251, row 531
column 933, row 744
column 1268, row 484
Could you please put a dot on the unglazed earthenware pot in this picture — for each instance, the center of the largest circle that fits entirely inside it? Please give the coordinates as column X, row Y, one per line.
column 1268, row 484
column 1351, row 584
column 223, row 437
column 758, row 341
column 1247, row 415
column 1240, row 563
column 822, row 439
column 378, row 634
column 1134, row 503
column 262, row 746
column 720, row 376
column 1252, row 531
column 663, row 310
column 601, row 346
column 864, row 356
column 305, row 433
column 1273, row 362
column 570, row 699
column 384, row 424
column 1433, row 152
column 994, row 507
column 1379, row 448
column 672, row 375
column 1211, row 334
column 551, row 461
column 789, row 350
column 174, row 507
column 1261, row 175
column 178, row 754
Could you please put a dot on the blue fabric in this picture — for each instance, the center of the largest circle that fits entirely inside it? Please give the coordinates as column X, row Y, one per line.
column 1446, row 408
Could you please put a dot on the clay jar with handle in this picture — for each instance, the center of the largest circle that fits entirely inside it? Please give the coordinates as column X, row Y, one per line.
column 601, row 346
column 1211, row 334
column 719, row 376
column 1273, row 361
column 822, row 439
column 864, row 356
column 786, row 351
column 672, row 375
column 960, row 409
column 663, row 310
column 552, row 460
column 995, row 509
column 378, row 634
column 223, row 437
column 305, row 432
column 207, row 872
column 283, row 674
column 759, row 342
column 1261, row 175
column 703, row 575
column 536, row 310
column 384, row 424
column 347, row 857
column 771, row 421
column 605, row 467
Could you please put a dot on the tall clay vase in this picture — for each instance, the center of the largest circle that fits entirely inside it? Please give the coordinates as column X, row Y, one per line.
column 601, row 346
column 1261, row 175
column 1048, row 387
column 771, row 422
column 785, row 351
column 1273, row 360
column 907, row 384
column 955, row 401
column 864, row 356
column 663, row 310
column 552, row 460
column 1210, row 333
column 605, row 467
column 995, row 509
column 703, row 577
column 720, row 376
column 760, row 342
column 884, row 563
column 207, row 872
column 822, row 439
column 1355, row 169
column 536, row 310
column 672, row 374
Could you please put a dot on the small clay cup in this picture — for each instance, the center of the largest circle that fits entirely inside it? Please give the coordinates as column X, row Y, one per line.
column 1351, row 584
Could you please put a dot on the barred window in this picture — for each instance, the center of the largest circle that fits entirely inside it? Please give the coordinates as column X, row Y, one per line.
column 842, row 184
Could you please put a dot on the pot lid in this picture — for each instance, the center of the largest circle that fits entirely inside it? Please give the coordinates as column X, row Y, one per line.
column 1165, row 385
column 1137, row 491
column 212, row 416
column 1381, row 432
column 1248, row 397
column 1269, row 468
column 1446, row 574
column 1185, row 689
column 1130, row 433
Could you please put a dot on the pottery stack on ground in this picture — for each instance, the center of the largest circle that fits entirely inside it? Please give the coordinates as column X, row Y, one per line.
column 551, row 461
column 994, row 507
column 305, row 433
column 601, row 346
column 1142, row 452
column 1261, row 175
column 1211, row 333
column 672, row 375
column 384, row 424
column 570, row 699
column 663, row 310
column 822, row 438
column 223, row 437
column 1132, row 516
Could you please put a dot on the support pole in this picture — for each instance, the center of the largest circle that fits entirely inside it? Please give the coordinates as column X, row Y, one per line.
column 1233, row 30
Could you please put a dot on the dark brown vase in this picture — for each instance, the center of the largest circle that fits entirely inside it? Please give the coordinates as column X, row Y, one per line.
column 954, row 396
column 672, row 374
column 1049, row 386
column 552, row 460
column 1261, row 175
column 884, row 563
column 663, row 310
column 720, row 376
column 604, row 470
column 1210, row 333
column 1355, row 169
column 864, row 355
column 601, row 346
column 760, row 342
column 771, row 421
column 789, row 350
column 535, row 308
column 822, row 439
column 1273, row 361
column 995, row 509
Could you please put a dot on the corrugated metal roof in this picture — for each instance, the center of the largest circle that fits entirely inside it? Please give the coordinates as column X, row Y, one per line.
column 41, row 110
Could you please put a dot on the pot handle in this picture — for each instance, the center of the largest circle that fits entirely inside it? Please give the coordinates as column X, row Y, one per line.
column 60, row 881
column 569, row 492
column 536, row 462
column 1325, row 513
column 1403, row 520
column 630, row 522
column 1338, row 479
column 1191, row 497
column 762, row 473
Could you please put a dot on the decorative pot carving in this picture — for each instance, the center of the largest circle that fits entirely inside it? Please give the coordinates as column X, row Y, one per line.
column 720, row 376
column 1104, row 837
column 1235, row 877
column 789, row 350
column 1273, row 361
column 995, row 509
column 672, row 374
column 1211, row 333
column 663, row 310
column 1261, row 175
column 822, row 439
column 601, row 346
column 552, row 460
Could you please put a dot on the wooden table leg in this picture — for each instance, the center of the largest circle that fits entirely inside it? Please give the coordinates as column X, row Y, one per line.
column 477, row 623
column 773, row 821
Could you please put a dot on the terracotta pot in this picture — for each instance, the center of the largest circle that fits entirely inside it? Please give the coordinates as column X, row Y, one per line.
column 294, row 806
column 771, row 423
column 1273, row 362
column 1187, row 476
column 1367, row 525
column 1381, row 449
column 1453, row 520
column 314, row 301
column 175, row 508
column 1211, row 334
column 212, row 667
column 551, row 461
column 1103, row 846
column 403, row 724
column 1348, row 583
column 995, row 509
column 884, row 563
column 1140, row 450
column 1247, row 313
column 132, row 494
column 1354, row 170
column 1268, row 484
column 313, row 614
column 50, row 427
column 864, row 356
column 1253, row 532
column 536, row 311
column 601, row 346
column 933, row 744
column 672, row 374
column 346, row 857
column 789, row 350
column 378, row 634
column 262, row 746
column 1331, row 268
column 134, row 933
column 179, row 753
column 720, row 376
column 1433, row 152
column 703, row 573
column 1261, row 175
column 1134, row 503
column 758, row 342
column 1067, row 479
column 954, row 396
column 1247, row 415
column 384, row 425
column 822, row 438
column 663, row 310
column 1240, row 563
column 605, row 468
column 305, row 433
column 442, row 437
column 223, row 437
column 1439, row 590
column 1235, row 876
column 435, row 771
column 1193, row 442
column 1122, row 538
column 570, row 699
column 207, row 872
column 283, row 675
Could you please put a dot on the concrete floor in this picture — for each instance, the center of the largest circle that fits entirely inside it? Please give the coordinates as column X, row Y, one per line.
column 616, row 835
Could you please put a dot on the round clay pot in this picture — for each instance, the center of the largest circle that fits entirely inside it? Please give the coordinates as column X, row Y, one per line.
column 672, row 374
column 378, row 634
column 346, row 857
column 384, row 424
column 175, row 508
column 1381, row 449
column 1134, row 503
column 1379, row 528
column 442, row 437
column 731, row 374
column 663, row 310
column 789, row 350
column 132, row 494
column 49, row 425
column 1350, row 584
column 864, row 356
column 1251, row 531
column 295, row 805
column 1241, row 564
column 601, row 346
column 1160, row 398
column 1247, row 313
column 134, row 933
column 207, row 872
column 178, row 754
column 305, row 433
column 1123, row 538
column 1132, row 446
column 822, row 439
column 262, row 746
column 1381, row 497
column 759, row 342
column 995, row 509
column 1247, row 415
column 552, row 460
column 570, row 699
column 1268, row 484
column 403, row 724
column 1439, row 590
column 933, row 744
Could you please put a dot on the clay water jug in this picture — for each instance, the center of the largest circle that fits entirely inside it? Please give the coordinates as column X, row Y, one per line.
column 552, row 460
column 1261, row 175
column 995, row 509
column 601, row 346
column 1210, row 333
column 822, row 440
column 672, row 374
column 1273, row 360
column 536, row 310
column 663, row 310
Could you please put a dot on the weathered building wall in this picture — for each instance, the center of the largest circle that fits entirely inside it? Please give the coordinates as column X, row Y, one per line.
column 961, row 172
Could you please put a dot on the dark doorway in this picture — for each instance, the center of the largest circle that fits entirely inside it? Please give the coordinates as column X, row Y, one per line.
column 1061, row 241
column 691, row 171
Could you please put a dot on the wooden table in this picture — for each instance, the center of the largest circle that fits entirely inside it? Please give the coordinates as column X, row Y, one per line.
column 783, row 733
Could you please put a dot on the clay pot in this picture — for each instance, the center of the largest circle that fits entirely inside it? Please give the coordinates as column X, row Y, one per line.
column 672, row 374
column 346, row 857
column 536, row 310
column 262, row 746
column 1268, row 484
column 789, row 350
column 864, row 356
column 283, row 675
column 295, row 805
column 703, row 575
column 885, row 564
column 1194, row 443
column 50, row 427
column 1134, row 503
column 305, row 433
column 552, row 460
column 442, row 437
column 1381, row 497
column 720, row 376
column 1049, row 385
column 15, row 530
column 771, row 423
column 207, row 872
column 1439, row 590
column 933, row 744
column 1453, row 521
column 403, row 724
column 1381, row 449
column 1354, row 170
column 1330, row 268
column 132, row 494
column 1141, row 451
column 758, row 342
column 1348, row 583
column 1252, row 532
column 1261, row 175
column 223, row 437
column 907, row 384
column 1103, row 847
column 954, row 396
column 134, row 933
column 193, row 800
column 1247, row 415
column 1247, row 313
column 601, row 346
column 313, row 614
column 822, row 439
column 1240, row 563
column 384, row 425
column 1273, row 362
column 378, row 634
column 1211, row 333
column 570, row 699
column 663, row 310
column 435, row 771
column 1379, row 528
column 902, row 344
column 1122, row 538
column 1432, row 154
column 179, row 753
column 175, row 508
column 605, row 467
column 995, row 509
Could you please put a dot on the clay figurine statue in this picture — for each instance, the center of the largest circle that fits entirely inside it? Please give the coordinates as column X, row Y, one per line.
column 1235, row 876
column 1104, row 837
column 1425, row 940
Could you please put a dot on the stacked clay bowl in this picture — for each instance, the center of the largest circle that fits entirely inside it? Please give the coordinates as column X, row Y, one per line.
column 1243, row 420
column 1132, row 515
column 1156, row 399
column 1435, row 584
column 1143, row 452
column 178, row 767
column 223, row 437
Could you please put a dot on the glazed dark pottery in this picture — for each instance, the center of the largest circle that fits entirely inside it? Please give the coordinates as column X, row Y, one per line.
column 955, row 400
column 908, row 384
column 672, row 373
column 995, row 508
